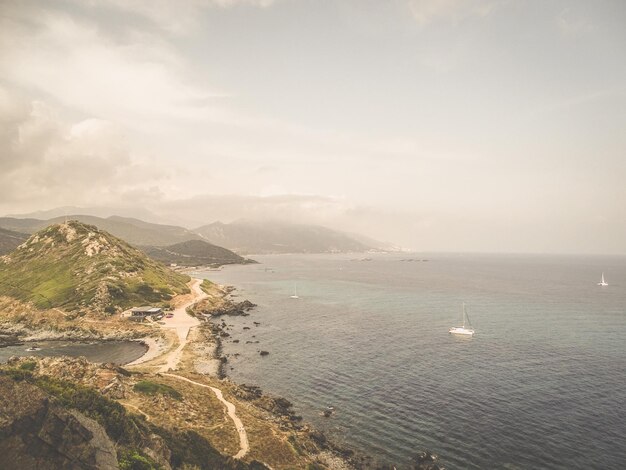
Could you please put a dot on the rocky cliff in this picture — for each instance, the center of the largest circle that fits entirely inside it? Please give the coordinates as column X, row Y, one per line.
column 37, row 433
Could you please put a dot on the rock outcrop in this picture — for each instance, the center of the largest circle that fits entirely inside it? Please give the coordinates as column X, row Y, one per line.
column 36, row 433
column 232, row 308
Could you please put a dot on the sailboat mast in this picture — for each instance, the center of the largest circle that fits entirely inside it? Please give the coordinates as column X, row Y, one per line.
column 464, row 314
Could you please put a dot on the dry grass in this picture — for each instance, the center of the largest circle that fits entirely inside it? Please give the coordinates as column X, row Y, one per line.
column 55, row 321
column 199, row 410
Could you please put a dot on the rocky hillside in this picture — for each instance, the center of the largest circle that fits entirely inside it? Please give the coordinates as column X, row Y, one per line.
column 68, row 417
column 81, row 415
column 77, row 267
column 9, row 240
column 194, row 253
column 274, row 237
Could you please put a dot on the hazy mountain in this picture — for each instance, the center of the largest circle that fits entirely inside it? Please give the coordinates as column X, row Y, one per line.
column 242, row 236
column 134, row 231
column 276, row 237
column 76, row 266
column 9, row 240
column 194, row 253
column 102, row 212
column 375, row 244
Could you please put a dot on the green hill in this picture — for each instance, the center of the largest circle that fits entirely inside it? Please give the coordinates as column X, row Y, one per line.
column 194, row 253
column 78, row 267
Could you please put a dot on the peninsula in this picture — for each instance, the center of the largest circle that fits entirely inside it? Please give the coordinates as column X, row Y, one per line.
column 172, row 408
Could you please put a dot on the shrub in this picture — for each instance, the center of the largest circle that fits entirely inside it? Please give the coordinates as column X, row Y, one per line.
column 206, row 286
column 31, row 365
column 133, row 460
column 315, row 466
column 17, row 374
column 110, row 309
column 119, row 425
column 152, row 388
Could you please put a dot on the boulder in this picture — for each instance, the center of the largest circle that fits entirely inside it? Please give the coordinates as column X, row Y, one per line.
column 37, row 434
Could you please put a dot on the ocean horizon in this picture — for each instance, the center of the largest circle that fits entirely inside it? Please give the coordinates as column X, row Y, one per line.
column 540, row 385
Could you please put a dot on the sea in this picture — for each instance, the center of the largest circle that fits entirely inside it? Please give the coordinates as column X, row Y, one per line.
column 541, row 384
column 117, row 352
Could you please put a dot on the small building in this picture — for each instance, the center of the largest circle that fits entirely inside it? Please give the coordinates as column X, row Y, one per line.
column 145, row 311
column 139, row 313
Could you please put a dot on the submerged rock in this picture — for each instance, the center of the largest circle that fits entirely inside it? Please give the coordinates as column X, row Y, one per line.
column 426, row 461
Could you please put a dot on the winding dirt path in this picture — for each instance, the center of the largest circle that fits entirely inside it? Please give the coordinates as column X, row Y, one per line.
column 136, row 408
column 182, row 322
column 232, row 413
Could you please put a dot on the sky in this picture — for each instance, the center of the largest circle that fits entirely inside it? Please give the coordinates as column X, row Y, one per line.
column 437, row 125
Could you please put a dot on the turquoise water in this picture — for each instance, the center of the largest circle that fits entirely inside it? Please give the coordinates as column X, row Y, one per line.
column 542, row 384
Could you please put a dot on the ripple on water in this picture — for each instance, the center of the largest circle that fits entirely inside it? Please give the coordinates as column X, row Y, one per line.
column 541, row 385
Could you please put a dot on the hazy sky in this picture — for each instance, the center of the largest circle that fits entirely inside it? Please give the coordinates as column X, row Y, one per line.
column 489, row 125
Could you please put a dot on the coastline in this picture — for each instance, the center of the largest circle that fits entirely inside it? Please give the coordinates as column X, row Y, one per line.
column 202, row 337
column 203, row 355
column 155, row 346
column 191, row 347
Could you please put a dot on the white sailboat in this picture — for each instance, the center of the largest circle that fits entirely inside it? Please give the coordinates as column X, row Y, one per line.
column 603, row 282
column 461, row 330
column 295, row 292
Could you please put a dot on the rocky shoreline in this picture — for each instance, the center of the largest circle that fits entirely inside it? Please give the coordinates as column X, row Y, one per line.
column 208, row 359
column 334, row 456
column 10, row 340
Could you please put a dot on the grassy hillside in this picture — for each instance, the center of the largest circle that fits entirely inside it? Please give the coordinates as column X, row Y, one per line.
column 134, row 231
column 274, row 237
column 9, row 240
column 194, row 253
column 75, row 266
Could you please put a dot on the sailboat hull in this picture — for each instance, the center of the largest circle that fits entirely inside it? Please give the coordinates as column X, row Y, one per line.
column 461, row 331
column 602, row 281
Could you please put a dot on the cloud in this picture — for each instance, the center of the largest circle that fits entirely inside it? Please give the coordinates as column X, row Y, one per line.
column 569, row 24
column 175, row 17
column 44, row 158
column 426, row 12
column 138, row 80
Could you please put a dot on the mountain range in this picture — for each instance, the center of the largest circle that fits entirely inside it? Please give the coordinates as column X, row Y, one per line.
column 133, row 231
column 275, row 237
column 243, row 237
